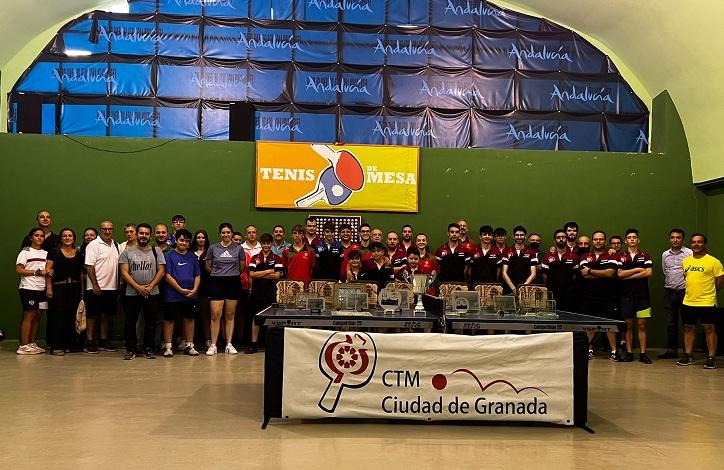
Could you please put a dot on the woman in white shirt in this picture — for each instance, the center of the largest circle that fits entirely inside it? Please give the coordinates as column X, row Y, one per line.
column 31, row 267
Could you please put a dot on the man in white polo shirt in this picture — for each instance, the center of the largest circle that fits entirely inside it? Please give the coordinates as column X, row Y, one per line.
column 101, row 262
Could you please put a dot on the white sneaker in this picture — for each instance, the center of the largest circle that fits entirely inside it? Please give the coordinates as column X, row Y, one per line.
column 230, row 349
column 27, row 350
column 168, row 353
column 211, row 351
column 37, row 348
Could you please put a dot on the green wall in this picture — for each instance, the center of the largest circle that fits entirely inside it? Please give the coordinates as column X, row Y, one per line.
column 210, row 182
column 715, row 229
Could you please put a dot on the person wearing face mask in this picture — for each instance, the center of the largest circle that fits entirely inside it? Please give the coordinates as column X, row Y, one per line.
column 534, row 241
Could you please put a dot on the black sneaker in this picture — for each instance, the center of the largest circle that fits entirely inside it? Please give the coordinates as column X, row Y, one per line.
column 644, row 358
column 129, row 356
column 669, row 354
column 591, row 354
column 710, row 363
column 91, row 347
column 105, row 345
column 149, row 353
column 628, row 357
column 615, row 356
column 686, row 360
column 251, row 350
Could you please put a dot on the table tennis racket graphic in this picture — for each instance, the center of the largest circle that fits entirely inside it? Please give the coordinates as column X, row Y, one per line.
column 338, row 181
column 347, row 361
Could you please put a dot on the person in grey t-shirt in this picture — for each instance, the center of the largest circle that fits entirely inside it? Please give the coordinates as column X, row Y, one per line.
column 142, row 267
column 224, row 263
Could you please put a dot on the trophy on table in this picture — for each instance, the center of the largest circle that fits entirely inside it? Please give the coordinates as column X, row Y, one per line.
column 420, row 284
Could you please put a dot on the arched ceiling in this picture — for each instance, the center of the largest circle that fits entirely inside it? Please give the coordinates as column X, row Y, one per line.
column 666, row 45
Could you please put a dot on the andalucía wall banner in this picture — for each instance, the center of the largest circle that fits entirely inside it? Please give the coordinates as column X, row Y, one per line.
column 337, row 177
column 425, row 376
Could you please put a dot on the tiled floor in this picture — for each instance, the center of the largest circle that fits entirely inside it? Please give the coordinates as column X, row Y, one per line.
column 101, row 412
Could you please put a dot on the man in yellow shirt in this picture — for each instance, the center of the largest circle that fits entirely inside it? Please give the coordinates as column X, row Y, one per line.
column 704, row 276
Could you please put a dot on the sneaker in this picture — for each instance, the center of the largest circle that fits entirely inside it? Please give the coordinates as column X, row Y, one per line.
column 211, row 350
column 26, row 350
column 686, row 360
column 628, row 357
column 251, row 350
column 168, row 353
column 91, row 347
column 129, row 356
column 615, row 356
column 710, row 363
column 591, row 355
column 149, row 353
column 105, row 345
column 57, row 352
column 669, row 354
column 180, row 345
column 190, row 351
column 230, row 349
column 644, row 358
column 37, row 348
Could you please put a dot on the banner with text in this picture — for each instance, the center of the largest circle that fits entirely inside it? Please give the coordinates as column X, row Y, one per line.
column 345, row 177
column 427, row 376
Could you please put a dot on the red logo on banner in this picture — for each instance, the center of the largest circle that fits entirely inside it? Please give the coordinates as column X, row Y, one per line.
column 347, row 361
column 338, row 181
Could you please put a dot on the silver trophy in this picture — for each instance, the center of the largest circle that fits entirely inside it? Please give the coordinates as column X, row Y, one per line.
column 420, row 284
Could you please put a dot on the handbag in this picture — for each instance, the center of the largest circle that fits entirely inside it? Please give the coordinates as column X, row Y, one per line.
column 80, row 320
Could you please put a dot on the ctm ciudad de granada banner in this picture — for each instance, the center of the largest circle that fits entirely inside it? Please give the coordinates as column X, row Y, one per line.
column 337, row 177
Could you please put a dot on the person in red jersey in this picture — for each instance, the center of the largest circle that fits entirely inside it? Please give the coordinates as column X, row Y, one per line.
column 501, row 238
column 378, row 268
column 310, row 232
column 486, row 260
column 395, row 253
column 634, row 269
column 559, row 273
column 452, row 257
column 298, row 259
column 266, row 269
column 519, row 262
column 408, row 239
column 598, row 269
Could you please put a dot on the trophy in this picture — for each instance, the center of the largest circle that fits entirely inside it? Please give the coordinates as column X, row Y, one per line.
column 420, row 284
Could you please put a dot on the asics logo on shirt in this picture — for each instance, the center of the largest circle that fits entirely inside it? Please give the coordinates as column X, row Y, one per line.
column 225, row 254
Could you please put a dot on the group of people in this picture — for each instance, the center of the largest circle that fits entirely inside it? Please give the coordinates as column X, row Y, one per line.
column 183, row 277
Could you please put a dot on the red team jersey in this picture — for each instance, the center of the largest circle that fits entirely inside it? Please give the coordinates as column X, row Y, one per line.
column 298, row 265
column 484, row 265
column 452, row 263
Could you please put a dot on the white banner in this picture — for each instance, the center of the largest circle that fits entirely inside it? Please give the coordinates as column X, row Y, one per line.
column 428, row 376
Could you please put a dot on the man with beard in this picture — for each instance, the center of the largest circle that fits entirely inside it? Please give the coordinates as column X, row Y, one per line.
column 407, row 237
column 571, row 229
column 279, row 244
column 395, row 253
column 519, row 262
column 142, row 267
column 559, row 273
